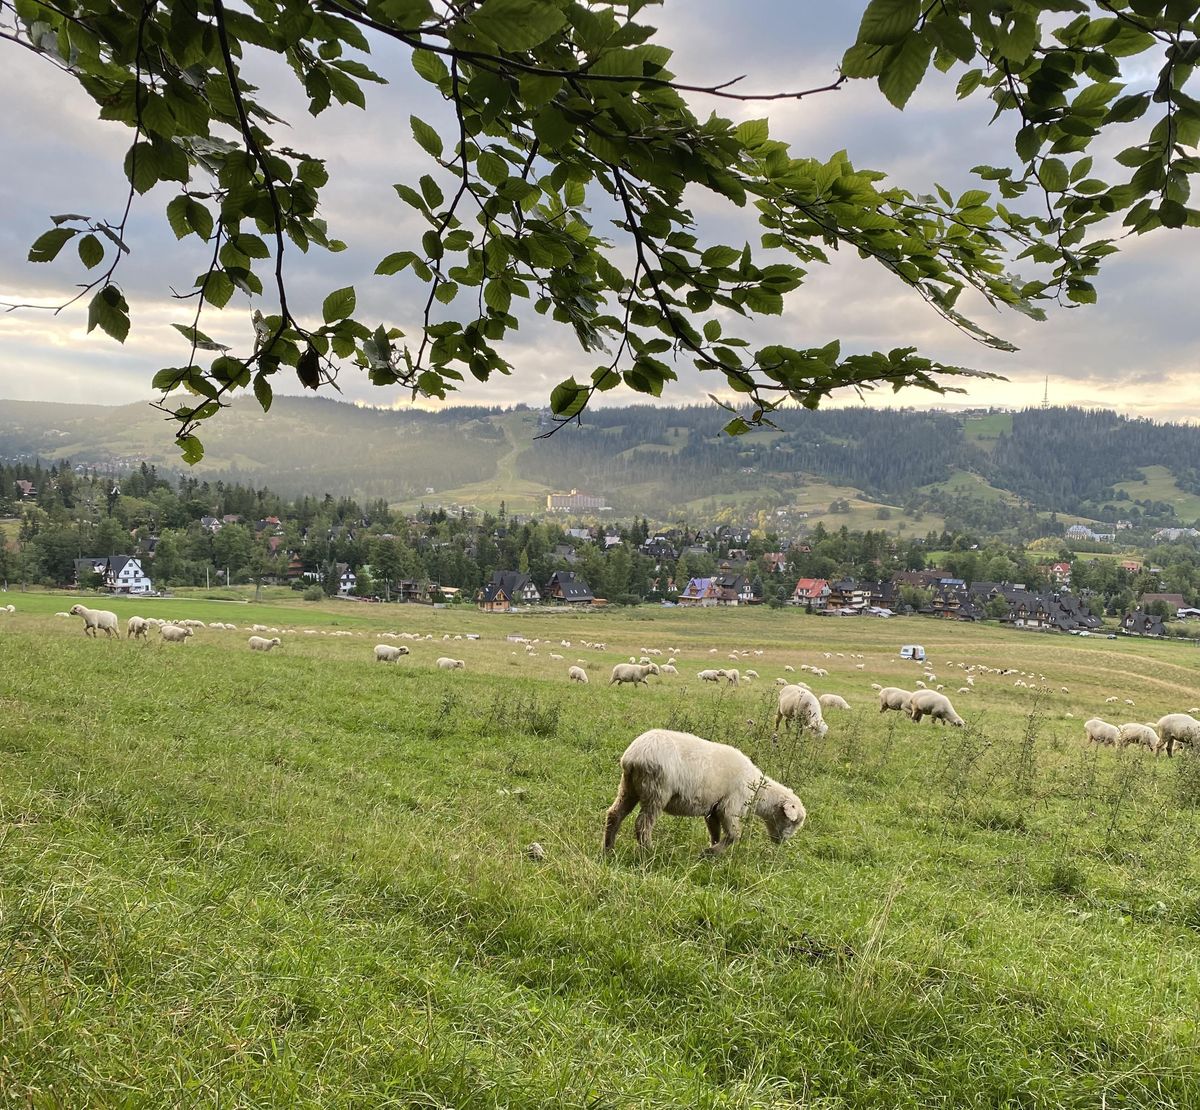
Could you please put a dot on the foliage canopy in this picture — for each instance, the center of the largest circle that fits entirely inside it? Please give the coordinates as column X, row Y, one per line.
column 566, row 109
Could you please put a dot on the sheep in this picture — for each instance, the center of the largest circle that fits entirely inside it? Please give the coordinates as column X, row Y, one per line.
column 9, row 609
column 686, row 776
column 732, row 676
column 1096, row 731
column 447, row 664
column 790, row 669
column 260, row 643
column 1110, row 700
column 709, row 676
column 60, row 614
column 174, row 634
column 799, row 704
column 668, row 668
column 135, row 628
column 95, row 619
column 389, row 653
column 936, row 707
column 1178, row 728
column 632, row 672
column 577, row 674
column 876, row 687
column 833, row 701
column 751, row 674
column 1139, row 734
column 892, row 697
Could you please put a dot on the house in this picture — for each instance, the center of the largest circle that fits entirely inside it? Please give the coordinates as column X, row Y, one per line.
column 735, row 589
column 1175, row 601
column 700, row 591
column 776, row 561
column 1081, row 532
column 346, row 578
column 120, row 574
column 1140, row 623
column 846, row 593
column 1163, row 535
column 567, row 587
column 507, row 589
column 1060, row 575
column 25, row 489
column 952, row 601
column 1061, row 612
column 1133, row 566
column 811, row 592
column 210, row 524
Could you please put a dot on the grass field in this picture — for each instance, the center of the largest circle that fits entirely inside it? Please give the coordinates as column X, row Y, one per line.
column 1158, row 484
column 301, row 878
column 983, row 431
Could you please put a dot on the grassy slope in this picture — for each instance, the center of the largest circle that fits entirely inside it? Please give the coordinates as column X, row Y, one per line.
column 1159, row 484
column 300, row 877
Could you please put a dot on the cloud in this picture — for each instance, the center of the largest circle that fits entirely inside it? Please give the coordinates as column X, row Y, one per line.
column 1136, row 350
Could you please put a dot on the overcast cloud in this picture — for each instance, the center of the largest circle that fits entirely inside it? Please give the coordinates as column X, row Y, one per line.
column 1137, row 350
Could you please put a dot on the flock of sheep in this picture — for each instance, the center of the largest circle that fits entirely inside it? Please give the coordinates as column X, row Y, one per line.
column 681, row 774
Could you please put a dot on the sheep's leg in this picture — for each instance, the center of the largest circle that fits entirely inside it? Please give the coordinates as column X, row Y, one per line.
column 731, row 825
column 622, row 807
column 647, row 815
column 713, row 820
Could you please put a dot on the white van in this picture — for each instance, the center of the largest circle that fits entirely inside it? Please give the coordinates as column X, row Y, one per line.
column 913, row 651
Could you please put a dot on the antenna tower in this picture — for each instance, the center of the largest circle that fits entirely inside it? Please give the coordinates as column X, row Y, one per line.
column 1046, row 394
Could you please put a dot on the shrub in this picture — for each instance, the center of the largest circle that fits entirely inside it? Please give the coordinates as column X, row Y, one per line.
column 314, row 593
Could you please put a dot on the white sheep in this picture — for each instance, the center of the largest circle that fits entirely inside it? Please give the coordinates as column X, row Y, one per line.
column 447, row 664
column 95, row 619
column 1135, row 733
column 174, row 634
column 668, row 668
column 709, row 676
column 892, row 697
column 261, row 643
column 751, row 674
column 136, row 628
column 833, row 701
column 732, row 676
column 1096, row 731
column 633, row 672
column 935, row 706
column 1110, row 700
column 686, row 776
column 389, row 653
column 1179, row 728
column 799, row 704
column 577, row 674
column 8, row 609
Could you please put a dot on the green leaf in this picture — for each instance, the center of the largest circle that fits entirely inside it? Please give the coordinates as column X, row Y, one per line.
column 1053, row 175
column 719, row 256
column 429, row 139
column 191, row 449
column 308, row 368
column 518, row 24
column 888, row 21
column 568, row 398
column 108, row 310
column 395, row 262
column 177, row 216
column 905, row 69
column 338, row 305
column 46, row 247
column 430, row 66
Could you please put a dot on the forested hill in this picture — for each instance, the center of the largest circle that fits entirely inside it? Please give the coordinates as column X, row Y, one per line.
column 664, row 462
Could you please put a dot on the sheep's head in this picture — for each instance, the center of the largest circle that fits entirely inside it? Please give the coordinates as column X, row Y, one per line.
column 76, row 610
column 782, row 812
column 820, row 728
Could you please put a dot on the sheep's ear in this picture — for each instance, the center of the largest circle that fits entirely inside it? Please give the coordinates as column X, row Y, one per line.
column 792, row 810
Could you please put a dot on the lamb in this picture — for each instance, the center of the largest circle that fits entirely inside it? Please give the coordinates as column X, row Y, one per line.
column 1140, row 734
column 796, row 703
column 1096, row 731
column 174, row 634
column 732, row 676
column 710, row 676
column 633, row 672
column 9, row 609
column 668, row 668
column 450, row 664
column 260, row 643
column 389, row 653
column 96, row 619
column 833, row 701
column 135, row 628
column 1179, row 728
column 892, row 697
column 751, row 674
column 686, row 776
column 936, row 707
column 577, row 674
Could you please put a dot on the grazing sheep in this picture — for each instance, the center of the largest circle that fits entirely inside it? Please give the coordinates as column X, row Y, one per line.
column 875, row 686
column 935, row 706
column 892, row 697
column 95, row 619
column 1109, row 701
column 686, row 776
column 9, row 609
column 710, row 676
column 781, row 682
column 751, row 674
column 174, row 634
column 789, row 668
column 136, row 628
column 389, row 653
column 577, row 674
column 260, row 643
column 1096, row 731
column 732, row 676
column 799, row 704
column 1179, row 728
column 1139, row 734
column 632, row 672
column 833, row 701
column 668, row 668
column 450, row 664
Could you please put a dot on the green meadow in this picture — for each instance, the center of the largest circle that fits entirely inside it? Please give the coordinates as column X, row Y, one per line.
column 303, row 879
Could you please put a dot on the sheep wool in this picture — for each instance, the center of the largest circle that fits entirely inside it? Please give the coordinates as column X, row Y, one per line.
column 95, row 620
column 684, row 775
column 577, row 674
column 261, row 643
column 935, row 706
column 799, row 704
column 632, row 673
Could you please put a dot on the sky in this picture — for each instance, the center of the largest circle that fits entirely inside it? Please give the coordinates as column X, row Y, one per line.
column 1135, row 351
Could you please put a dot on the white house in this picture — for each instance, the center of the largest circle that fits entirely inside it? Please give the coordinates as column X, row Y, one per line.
column 121, row 574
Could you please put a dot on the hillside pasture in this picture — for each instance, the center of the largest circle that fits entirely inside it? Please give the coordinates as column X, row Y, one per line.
column 303, row 878
column 1159, row 484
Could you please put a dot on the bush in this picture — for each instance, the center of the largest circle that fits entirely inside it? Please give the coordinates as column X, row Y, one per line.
column 627, row 599
column 314, row 593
